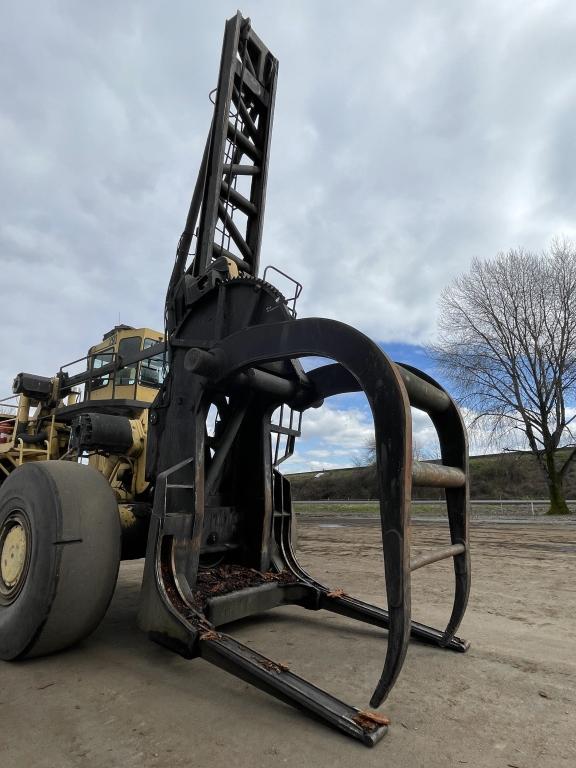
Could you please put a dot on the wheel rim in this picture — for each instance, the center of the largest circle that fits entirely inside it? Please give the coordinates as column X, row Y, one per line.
column 14, row 555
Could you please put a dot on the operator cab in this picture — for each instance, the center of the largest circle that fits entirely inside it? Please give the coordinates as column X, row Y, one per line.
column 140, row 381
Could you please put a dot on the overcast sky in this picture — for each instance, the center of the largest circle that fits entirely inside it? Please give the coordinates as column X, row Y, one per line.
column 408, row 138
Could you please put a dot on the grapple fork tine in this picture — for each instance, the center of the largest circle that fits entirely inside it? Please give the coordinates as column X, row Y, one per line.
column 454, row 452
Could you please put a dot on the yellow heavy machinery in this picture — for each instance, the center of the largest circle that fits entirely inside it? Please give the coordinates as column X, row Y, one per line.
column 34, row 426
column 168, row 444
column 45, row 419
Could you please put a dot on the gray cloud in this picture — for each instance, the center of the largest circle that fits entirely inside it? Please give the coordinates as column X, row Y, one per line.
column 408, row 139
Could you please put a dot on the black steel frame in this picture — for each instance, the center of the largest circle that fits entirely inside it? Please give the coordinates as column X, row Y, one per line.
column 221, row 496
column 170, row 610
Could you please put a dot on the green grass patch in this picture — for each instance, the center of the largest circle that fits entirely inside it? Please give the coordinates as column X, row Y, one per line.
column 362, row 509
column 321, row 509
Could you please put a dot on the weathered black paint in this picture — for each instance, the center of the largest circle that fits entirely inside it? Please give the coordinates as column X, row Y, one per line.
column 234, row 344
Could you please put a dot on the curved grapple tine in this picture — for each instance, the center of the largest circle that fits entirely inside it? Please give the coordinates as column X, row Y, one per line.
column 395, row 545
column 398, row 637
column 392, row 422
column 454, row 451
column 458, row 521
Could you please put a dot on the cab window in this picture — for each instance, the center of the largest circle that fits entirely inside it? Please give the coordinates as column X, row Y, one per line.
column 99, row 360
column 126, row 348
column 152, row 369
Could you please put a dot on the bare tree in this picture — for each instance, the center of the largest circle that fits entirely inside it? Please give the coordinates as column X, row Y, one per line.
column 508, row 343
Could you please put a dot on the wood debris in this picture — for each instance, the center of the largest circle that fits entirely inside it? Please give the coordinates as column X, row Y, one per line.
column 369, row 721
column 273, row 666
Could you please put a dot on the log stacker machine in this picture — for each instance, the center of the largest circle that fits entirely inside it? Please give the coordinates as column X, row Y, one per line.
column 214, row 513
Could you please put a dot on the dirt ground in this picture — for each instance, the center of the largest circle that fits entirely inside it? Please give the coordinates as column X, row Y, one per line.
column 120, row 700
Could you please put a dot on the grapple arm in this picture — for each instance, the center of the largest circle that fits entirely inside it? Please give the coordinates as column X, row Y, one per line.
column 219, row 546
column 264, row 537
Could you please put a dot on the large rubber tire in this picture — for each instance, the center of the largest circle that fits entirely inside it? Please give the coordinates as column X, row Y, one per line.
column 68, row 516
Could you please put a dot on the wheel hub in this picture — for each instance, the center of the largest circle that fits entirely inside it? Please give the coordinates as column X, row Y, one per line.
column 13, row 555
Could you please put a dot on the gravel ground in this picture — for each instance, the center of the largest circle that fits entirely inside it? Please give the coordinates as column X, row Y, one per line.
column 120, row 700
